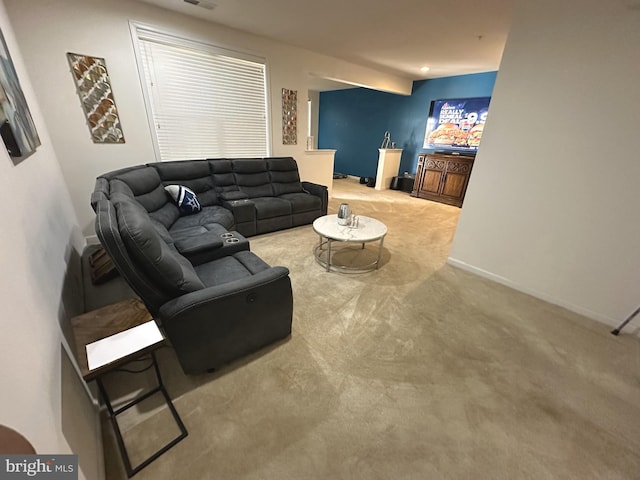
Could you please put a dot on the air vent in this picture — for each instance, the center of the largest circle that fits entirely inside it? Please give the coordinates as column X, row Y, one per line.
column 209, row 5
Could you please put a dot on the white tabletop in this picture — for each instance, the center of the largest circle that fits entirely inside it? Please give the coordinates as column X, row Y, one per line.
column 368, row 229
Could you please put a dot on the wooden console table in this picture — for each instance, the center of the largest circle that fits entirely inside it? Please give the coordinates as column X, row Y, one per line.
column 106, row 324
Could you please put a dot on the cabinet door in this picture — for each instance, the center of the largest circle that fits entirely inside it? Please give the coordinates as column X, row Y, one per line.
column 431, row 182
column 454, row 185
column 442, row 178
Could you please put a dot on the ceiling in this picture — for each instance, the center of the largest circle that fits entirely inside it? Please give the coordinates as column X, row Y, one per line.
column 399, row 36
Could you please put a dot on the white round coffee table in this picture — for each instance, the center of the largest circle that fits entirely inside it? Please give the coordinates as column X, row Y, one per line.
column 367, row 230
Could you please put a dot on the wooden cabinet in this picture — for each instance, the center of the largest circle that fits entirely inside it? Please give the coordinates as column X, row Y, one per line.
column 442, row 178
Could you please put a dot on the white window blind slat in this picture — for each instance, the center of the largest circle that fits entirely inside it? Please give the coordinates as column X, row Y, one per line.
column 205, row 103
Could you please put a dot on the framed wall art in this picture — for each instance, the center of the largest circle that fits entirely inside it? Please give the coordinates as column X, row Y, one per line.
column 94, row 89
column 289, row 117
column 17, row 128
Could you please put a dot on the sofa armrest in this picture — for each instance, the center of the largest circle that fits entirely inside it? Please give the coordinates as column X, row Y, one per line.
column 243, row 210
column 319, row 191
column 216, row 325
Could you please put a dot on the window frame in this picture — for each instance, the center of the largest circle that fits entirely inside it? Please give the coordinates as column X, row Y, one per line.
column 179, row 39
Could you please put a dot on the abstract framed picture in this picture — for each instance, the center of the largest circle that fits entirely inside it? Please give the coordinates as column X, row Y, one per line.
column 17, row 128
column 94, row 89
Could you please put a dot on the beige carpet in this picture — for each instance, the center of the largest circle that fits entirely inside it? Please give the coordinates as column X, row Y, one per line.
column 415, row 371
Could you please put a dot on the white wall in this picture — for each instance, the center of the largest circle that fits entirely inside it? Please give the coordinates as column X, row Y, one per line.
column 47, row 30
column 38, row 240
column 552, row 205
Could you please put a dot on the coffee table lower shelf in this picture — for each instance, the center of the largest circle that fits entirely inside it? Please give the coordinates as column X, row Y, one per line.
column 325, row 250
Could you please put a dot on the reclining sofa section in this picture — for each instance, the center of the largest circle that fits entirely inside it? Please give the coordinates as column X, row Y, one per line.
column 215, row 300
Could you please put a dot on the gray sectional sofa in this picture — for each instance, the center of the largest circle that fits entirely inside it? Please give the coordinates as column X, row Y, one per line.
column 215, row 300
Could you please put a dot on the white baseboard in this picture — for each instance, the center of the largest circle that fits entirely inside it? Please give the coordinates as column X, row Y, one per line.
column 534, row 293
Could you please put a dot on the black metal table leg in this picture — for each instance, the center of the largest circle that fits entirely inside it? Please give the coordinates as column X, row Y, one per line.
column 160, row 388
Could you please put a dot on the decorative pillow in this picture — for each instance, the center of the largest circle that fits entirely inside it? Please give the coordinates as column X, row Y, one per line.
column 185, row 198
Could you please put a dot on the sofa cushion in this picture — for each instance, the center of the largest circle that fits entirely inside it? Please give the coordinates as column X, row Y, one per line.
column 232, row 195
column 184, row 198
column 284, row 175
column 214, row 215
column 161, row 210
column 145, row 186
column 222, row 175
column 233, row 267
column 162, row 230
column 302, row 202
column 167, row 214
column 261, row 187
column 162, row 264
column 193, row 174
column 249, row 165
column 188, row 232
column 269, row 207
column 252, row 177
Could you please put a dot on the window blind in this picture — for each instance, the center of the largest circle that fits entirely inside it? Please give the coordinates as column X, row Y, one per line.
column 206, row 102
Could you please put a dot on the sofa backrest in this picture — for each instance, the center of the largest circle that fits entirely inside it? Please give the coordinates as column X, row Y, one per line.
column 210, row 179
column 284, row 175
column 170, row 273
column 222, row 174
column 193, row 174
column 106, row 225
column 252, row 177
column 145, row 186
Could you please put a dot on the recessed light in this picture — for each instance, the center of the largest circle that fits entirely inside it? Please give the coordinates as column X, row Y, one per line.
column 424, row 69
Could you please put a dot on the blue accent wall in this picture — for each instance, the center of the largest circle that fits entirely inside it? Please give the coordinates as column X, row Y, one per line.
column 354, row 121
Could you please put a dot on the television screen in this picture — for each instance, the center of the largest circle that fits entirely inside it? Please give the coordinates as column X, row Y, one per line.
column 456, row 124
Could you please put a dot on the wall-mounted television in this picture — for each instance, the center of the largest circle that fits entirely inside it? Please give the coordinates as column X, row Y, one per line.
column 456, row 125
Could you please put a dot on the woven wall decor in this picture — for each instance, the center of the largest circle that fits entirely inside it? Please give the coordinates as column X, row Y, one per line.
column 289, row 117
column 94, row 89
